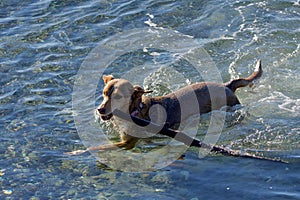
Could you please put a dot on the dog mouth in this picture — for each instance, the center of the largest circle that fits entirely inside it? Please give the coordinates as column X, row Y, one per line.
column 106, row 117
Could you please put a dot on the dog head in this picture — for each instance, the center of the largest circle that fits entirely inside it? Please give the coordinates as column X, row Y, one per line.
column 118, row 94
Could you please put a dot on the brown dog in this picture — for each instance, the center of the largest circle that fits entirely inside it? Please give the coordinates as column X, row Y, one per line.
column 169, row 110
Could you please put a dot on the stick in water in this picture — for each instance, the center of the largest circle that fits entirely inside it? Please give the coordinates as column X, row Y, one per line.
column 179, row 136
column 187, row 140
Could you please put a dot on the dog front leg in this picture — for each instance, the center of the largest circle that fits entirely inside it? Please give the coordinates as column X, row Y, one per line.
column 124, row 144
column 127, row 142
column 98, row 148
column 119, row 145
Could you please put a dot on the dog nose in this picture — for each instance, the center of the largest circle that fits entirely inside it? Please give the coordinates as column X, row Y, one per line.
column 101, row 110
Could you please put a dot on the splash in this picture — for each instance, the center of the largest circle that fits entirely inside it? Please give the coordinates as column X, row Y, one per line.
column 284, row 102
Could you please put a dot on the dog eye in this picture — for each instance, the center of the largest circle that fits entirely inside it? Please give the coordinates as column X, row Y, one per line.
column 117, row 96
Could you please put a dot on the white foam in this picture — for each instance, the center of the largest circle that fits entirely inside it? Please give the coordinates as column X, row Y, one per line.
column 284, row 102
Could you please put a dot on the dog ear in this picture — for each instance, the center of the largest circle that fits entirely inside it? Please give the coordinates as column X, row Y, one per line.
column 107, row 78
column 139, row 91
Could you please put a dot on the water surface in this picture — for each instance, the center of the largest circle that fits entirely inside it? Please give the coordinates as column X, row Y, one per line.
column 43, row 44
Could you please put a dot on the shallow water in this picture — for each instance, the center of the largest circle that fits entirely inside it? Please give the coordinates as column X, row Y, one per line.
column 46, row 47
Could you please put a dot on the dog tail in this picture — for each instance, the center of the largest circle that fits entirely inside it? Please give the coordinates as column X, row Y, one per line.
column 242, row 82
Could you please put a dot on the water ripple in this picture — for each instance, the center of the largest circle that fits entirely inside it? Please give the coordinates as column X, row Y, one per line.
column 43, row 44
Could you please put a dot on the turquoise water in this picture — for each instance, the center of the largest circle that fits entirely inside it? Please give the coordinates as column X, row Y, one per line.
column 43, row 45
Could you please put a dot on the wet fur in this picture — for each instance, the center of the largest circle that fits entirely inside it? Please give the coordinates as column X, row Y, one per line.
column 121, row 94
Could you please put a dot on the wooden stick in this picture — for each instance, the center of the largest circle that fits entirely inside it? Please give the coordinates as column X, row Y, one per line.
column 187, row 140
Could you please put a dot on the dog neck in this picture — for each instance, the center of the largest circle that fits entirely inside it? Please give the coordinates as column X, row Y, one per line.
column 140, row 107
column 137, row 110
